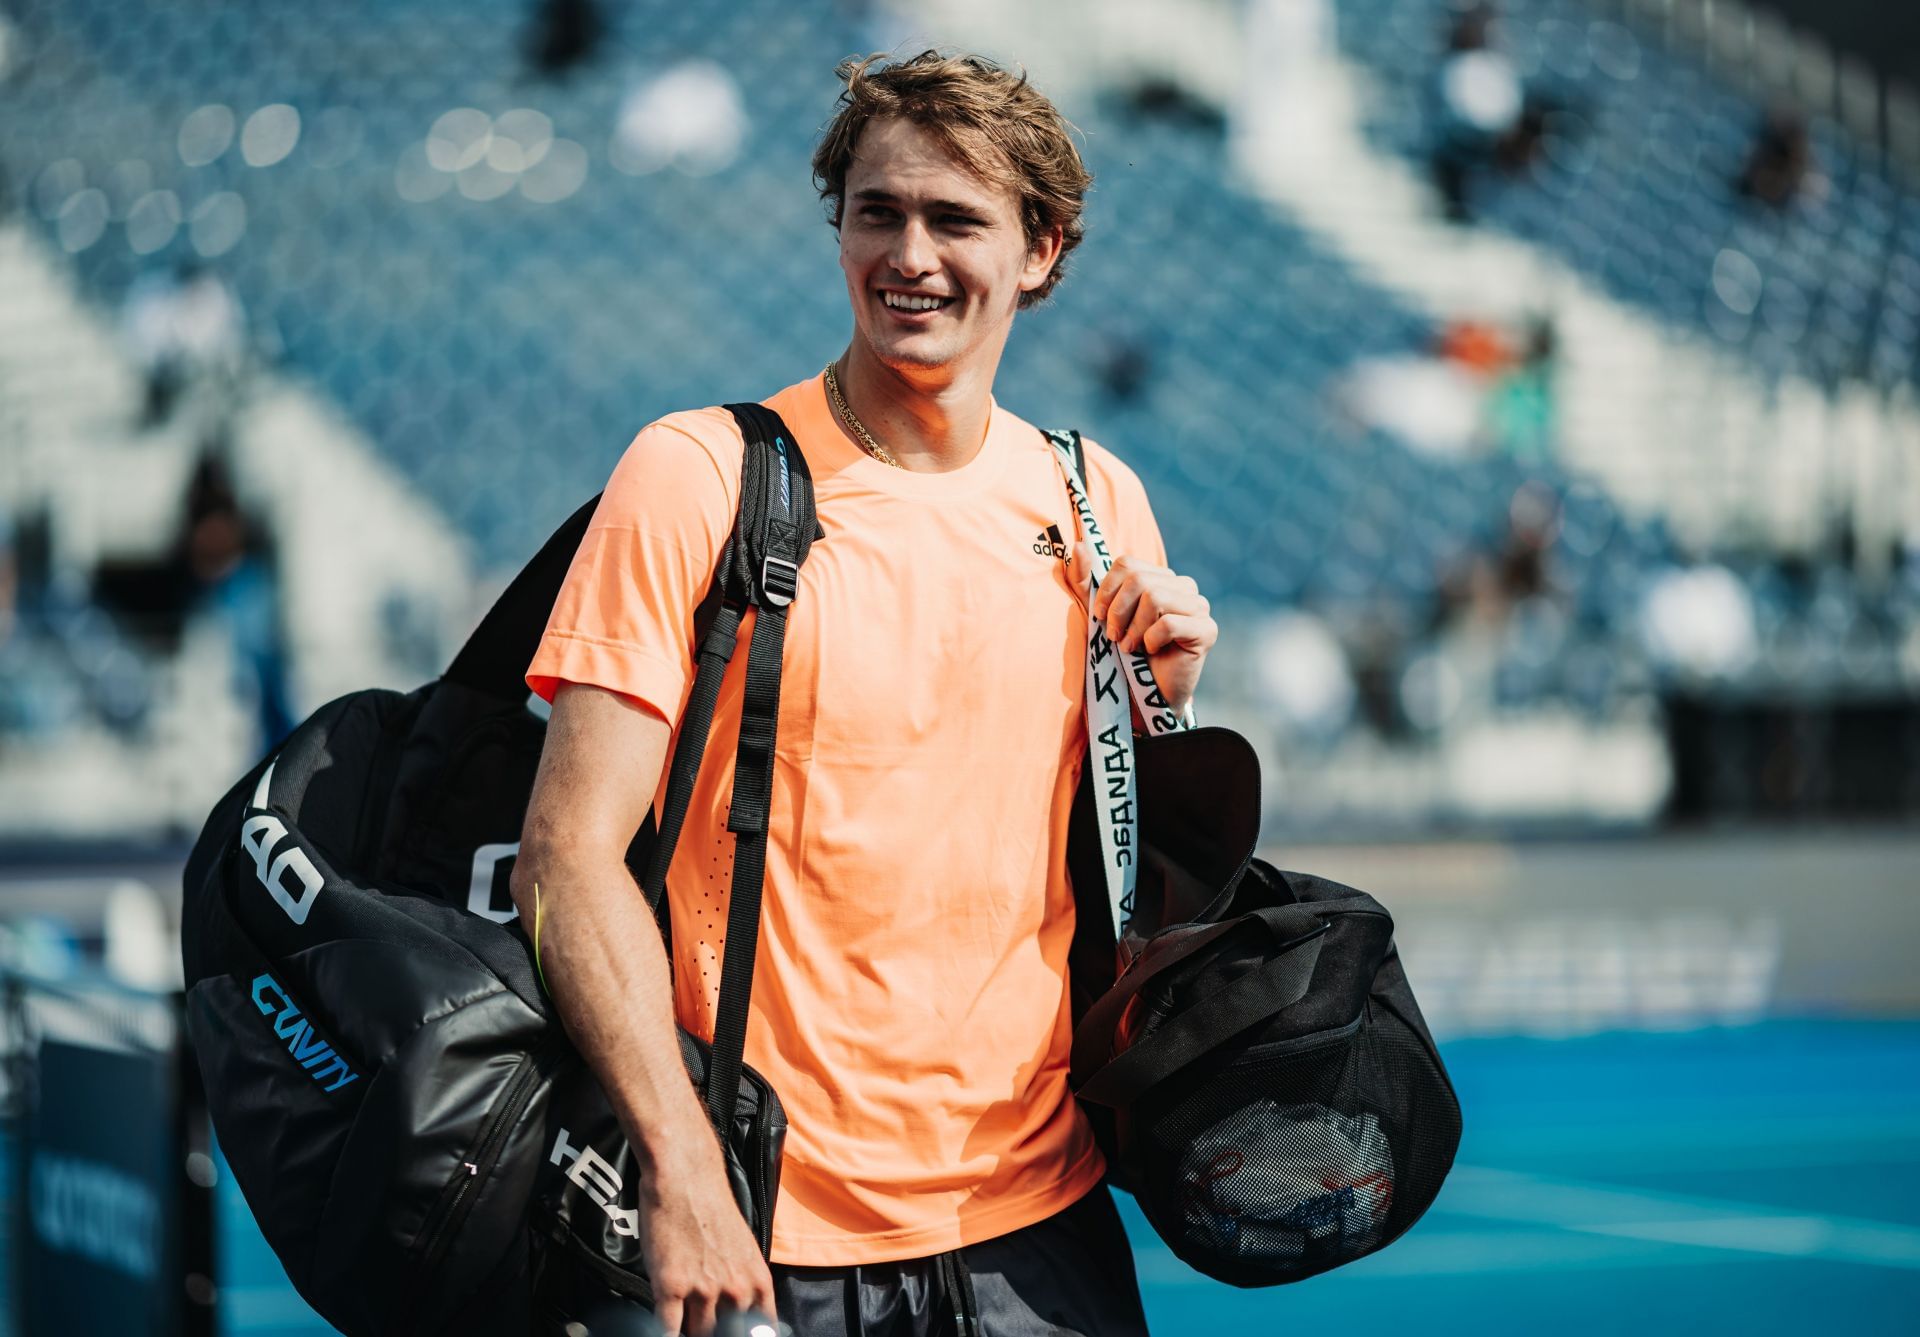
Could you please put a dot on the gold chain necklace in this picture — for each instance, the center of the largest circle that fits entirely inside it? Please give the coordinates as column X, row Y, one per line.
column 854, row 425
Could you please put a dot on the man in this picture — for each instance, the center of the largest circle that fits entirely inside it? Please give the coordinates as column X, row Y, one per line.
column 909, row 999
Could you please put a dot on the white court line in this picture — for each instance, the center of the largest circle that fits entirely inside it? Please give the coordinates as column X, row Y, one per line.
column 1707, row 1223
column 1791, row 1237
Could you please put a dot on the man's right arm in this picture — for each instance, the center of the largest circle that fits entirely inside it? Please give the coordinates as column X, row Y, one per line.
column 606, row 969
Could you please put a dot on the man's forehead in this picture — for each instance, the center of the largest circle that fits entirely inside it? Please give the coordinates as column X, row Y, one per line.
column 896, row 161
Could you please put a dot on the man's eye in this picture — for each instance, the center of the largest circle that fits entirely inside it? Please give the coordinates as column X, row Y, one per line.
column 960, row 220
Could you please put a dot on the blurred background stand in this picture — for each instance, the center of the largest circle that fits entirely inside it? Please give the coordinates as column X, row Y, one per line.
column 1533, row 387
column 109, row 1220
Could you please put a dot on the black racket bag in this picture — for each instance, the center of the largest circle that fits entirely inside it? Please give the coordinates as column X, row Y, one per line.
column 421, row 1146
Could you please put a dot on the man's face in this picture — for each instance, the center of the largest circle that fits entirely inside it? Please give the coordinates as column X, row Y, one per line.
column 916, row 224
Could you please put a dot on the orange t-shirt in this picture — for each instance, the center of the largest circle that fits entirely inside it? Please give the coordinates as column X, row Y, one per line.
column 909, row 994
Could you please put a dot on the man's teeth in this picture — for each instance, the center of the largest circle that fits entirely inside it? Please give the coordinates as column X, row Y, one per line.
column 901, row 302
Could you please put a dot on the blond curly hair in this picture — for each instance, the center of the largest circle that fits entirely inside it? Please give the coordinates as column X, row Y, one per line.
column 993, row 121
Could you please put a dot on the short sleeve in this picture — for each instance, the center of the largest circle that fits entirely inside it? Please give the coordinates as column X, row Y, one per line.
column 1120, row 499
column 623, row 620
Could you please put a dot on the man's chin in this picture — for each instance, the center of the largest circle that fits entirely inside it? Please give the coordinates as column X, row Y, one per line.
column 911, row 354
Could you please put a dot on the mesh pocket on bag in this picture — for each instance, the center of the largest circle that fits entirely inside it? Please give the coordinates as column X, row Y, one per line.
column 1281, row 1165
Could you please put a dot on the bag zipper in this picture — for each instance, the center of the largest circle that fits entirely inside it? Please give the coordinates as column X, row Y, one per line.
column 456, row 1199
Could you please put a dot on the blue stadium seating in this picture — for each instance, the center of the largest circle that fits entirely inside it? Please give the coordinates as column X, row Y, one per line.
column 502, row 352
column 1636, row 188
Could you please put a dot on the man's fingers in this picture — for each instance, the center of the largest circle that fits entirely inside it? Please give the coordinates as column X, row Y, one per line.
column 1137, row 594
column 1124, row 571
column 697, row 1314
column 1195, row 631
column 700, row 1317
column 763, row 1298
column 1147, row 610
column 754, row 1296
column 1156, row 596
column 1121, row 607
column 765, row 1303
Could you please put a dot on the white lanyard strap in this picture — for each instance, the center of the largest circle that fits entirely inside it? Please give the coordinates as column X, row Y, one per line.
column 1109, row 726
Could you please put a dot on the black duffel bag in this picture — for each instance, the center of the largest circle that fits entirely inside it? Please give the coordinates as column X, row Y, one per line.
column 1248, row 1050
column 421, row 1146
column 1273, row 1098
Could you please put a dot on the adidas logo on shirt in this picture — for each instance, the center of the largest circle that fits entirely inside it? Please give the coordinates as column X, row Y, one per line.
column 1049, row 543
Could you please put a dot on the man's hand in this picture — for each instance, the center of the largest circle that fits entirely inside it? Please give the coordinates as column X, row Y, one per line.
column 700, row 1255
column 1148, row 606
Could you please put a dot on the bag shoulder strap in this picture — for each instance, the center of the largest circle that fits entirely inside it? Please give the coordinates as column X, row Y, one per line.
column 494, row 660
column 759, row 568
column 1076, row 447
column 1111, row 678
column 772, row 535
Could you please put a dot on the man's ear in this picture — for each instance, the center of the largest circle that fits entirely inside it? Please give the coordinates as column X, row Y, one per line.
column 1041, row 259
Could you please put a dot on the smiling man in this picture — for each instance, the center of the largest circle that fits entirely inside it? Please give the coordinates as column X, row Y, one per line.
column 909, row 1000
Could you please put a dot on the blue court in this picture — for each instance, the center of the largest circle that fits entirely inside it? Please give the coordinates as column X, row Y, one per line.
column 1758, row 1180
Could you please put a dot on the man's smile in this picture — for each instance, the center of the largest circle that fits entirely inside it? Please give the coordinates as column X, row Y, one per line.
column 914, row 303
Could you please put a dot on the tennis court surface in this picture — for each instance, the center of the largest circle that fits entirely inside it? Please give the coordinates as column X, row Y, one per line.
column 1760, row 1179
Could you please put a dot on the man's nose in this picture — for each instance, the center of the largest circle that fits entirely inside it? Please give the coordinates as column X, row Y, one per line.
column 913, row 253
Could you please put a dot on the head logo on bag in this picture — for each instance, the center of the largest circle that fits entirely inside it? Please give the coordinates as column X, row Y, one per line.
column 491, row 865
column 595, row 1176
column 259, row 835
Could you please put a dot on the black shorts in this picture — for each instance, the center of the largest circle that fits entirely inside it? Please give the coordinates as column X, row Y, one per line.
column 1070, row 1275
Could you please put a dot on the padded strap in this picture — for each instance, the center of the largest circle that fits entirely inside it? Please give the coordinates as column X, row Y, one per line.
column 773, row 533
column 1093, row 1040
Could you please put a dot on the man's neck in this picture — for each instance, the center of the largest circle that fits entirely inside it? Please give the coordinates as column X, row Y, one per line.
column 931, row 422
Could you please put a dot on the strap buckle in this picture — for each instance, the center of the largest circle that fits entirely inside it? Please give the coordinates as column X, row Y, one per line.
column 779, row 581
